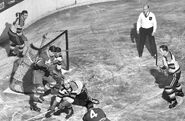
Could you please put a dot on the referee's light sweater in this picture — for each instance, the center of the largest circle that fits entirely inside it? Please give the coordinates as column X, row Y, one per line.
column 147, row 21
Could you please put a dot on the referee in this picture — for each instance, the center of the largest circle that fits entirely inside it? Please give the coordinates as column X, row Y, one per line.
column 146, row 27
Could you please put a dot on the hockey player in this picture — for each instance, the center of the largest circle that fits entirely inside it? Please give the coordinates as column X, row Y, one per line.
column 94, row 114
column 72, row 92
column 16, row 34
column 46, row 76
column 59, row 60
column 49, row 63
column 172, row 69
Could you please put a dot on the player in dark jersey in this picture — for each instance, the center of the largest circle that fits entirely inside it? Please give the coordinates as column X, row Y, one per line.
column 59, row 61
column 94, row 114
column 172, row 69
column 16, row 35
column 46, row 76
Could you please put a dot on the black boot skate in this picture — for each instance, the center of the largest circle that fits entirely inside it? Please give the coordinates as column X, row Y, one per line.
column 181, row 94
column 49, row 113
column 34, row 107
column 57, row 113
column 69, row 113
column 173, row 104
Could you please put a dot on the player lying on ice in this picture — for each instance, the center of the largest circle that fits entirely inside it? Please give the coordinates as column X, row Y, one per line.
column 71, row 92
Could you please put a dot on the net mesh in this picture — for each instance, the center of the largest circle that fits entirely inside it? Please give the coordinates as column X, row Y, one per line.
column 57, row 39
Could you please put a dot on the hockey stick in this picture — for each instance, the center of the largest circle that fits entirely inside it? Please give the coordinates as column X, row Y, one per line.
column 156, row 60
column 42, row 115
column 43, row 47
column 34, row 47
column 39, row 49
column 43, row 40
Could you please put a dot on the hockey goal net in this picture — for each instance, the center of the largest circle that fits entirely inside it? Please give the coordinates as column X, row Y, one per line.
column 22, row 72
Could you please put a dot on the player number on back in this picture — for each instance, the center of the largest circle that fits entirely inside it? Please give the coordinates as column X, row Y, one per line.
column 93, row 114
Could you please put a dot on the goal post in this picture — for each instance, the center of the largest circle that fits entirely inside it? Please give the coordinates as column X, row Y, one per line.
column 66, row 49
column 57, row 38
column 22, row 74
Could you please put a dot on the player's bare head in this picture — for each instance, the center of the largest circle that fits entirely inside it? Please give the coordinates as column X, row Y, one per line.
column 90, row 105
column 146, row 8
column 163, row 49
column 24, row 13
column 67, row 83
column 58, row 51
column 51, row 50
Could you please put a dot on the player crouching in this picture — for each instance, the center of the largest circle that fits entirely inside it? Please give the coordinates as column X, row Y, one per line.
column 173, row 72
column 71, row 92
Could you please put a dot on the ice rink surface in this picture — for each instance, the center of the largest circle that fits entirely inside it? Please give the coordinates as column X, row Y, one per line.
column 102, row 53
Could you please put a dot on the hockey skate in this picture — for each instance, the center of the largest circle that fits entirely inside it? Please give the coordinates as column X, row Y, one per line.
column 173, row 104
column 34, row 107
column 69, row 113
column 181, row 94
column 49, row 113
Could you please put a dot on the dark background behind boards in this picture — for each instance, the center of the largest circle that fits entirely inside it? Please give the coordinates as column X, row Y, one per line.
column 5, row 4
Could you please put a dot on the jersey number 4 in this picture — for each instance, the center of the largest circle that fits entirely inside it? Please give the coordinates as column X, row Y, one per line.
column 93, row 114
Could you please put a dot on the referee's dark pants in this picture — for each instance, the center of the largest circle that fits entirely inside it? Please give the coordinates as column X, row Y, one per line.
column 144, row 33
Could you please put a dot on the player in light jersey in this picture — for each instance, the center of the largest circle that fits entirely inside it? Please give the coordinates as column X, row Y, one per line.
column 16, row 35
column 172, row 69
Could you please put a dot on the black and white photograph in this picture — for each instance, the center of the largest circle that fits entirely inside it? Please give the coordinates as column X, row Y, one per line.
column 92, row 60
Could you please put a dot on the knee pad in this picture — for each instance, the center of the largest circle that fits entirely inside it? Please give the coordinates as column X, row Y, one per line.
column 178, row 87
column 12, row 45
column 38, row 90
column 21, row 47
column 170, row 92
column 172, row 96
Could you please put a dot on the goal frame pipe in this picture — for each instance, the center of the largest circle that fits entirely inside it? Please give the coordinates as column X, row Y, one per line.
column 67, row 46
column 67, row 52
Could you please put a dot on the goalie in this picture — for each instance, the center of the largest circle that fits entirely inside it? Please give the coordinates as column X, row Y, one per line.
column 172, row 70
column 71, row 92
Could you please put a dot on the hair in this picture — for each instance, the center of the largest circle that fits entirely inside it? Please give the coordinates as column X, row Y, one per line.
column 24, row 11
column 52, row 48
column 147, row 6
column 164, row 47
column 58, row 49
column 90, row 105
